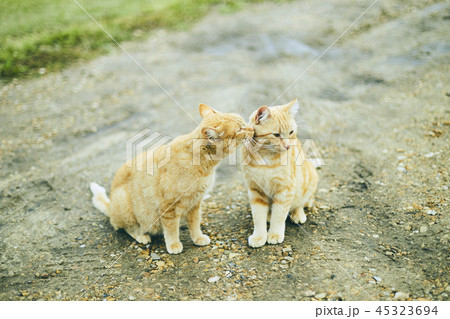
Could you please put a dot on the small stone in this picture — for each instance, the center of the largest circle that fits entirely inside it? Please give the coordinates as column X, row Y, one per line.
column 309, row 293
column 160, row 263
column 321, row 295
column 82, row 246
column 44, row 275
column 291, row 259
column 42, row 71
column 401, row 295
column 372, row 270
column 196, row 260
column 287, row 249
column 428, row 155
column 401, row 169
column 377, row 279
column 214, row 279
column 431, row 212
column 423, row 229
column 375, row 236
column 232, row 255
column 155, row 256
column 131, row 298
column 389, row 253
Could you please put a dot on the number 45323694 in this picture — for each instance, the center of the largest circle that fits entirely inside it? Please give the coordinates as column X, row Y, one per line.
column 407, row 310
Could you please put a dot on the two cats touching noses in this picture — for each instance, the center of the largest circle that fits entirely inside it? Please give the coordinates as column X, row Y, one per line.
column 148, row 204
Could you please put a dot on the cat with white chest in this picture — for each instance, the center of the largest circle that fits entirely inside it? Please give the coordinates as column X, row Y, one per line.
column 277, row 184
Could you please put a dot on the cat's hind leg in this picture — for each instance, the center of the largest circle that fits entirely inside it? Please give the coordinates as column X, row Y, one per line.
column 137, row 233
column 298, row 215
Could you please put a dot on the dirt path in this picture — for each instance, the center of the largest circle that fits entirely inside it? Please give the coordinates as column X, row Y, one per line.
column 376, row 104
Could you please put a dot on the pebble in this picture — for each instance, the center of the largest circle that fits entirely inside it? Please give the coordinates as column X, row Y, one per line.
column 155, row 256
column 431, row 212
column 232, row 255
column 372, row 270
column 423, row 229
column 431, row 154
column 401, row 169
column 214, row 279
column 131, row 298
column 309, row 293
column 82, row 246
column 321, row 295
column 291, row 259
column 287, row 249
column 401, row 295
column 377, row 279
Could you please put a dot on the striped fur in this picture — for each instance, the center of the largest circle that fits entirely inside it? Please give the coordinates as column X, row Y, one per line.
column 282, row 183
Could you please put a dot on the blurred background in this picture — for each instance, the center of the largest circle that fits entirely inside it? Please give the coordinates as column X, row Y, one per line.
column 36, row 36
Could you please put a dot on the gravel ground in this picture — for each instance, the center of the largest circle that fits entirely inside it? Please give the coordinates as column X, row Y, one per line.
column 376, row 104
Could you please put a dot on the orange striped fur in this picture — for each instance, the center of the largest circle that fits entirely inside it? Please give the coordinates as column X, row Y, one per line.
column 145, row 204
column 281, row 180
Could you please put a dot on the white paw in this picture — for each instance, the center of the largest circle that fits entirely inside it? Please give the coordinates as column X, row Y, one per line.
column 202, row 240
column 298, row 218
column 302, row 219
column 143, row 239
column 175, row 248
column 256, row 241
column 274, row 238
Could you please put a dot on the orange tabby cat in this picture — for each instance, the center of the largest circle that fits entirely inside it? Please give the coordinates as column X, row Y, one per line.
column 142, row 204
column 279, row 180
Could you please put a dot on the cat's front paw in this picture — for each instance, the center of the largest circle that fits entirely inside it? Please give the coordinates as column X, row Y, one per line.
column 202, row 240
column 257, row 240
column 175, row 248
column 274, row 238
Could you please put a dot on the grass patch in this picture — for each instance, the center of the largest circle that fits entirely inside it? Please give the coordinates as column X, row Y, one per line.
column 52, row 34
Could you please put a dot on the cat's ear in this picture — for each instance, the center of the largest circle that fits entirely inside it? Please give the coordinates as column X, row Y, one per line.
column 205, row 110
column 262, row 114
column 210, row 133
column 292, row 107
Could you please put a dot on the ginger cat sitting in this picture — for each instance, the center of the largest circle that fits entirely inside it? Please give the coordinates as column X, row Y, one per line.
column 280, row 182
column 143, row 204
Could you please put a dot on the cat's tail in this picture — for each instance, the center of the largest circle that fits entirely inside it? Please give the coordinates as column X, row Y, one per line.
column 99, row 198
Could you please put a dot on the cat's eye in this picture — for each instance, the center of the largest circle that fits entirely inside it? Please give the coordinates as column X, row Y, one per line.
column 276, row 134
column 291, row 132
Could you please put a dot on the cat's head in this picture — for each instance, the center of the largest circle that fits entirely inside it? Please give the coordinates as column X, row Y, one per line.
column 229, row 129
column 275, row 127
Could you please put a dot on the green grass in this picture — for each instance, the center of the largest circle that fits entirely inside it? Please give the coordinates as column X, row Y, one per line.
column 52, row 34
